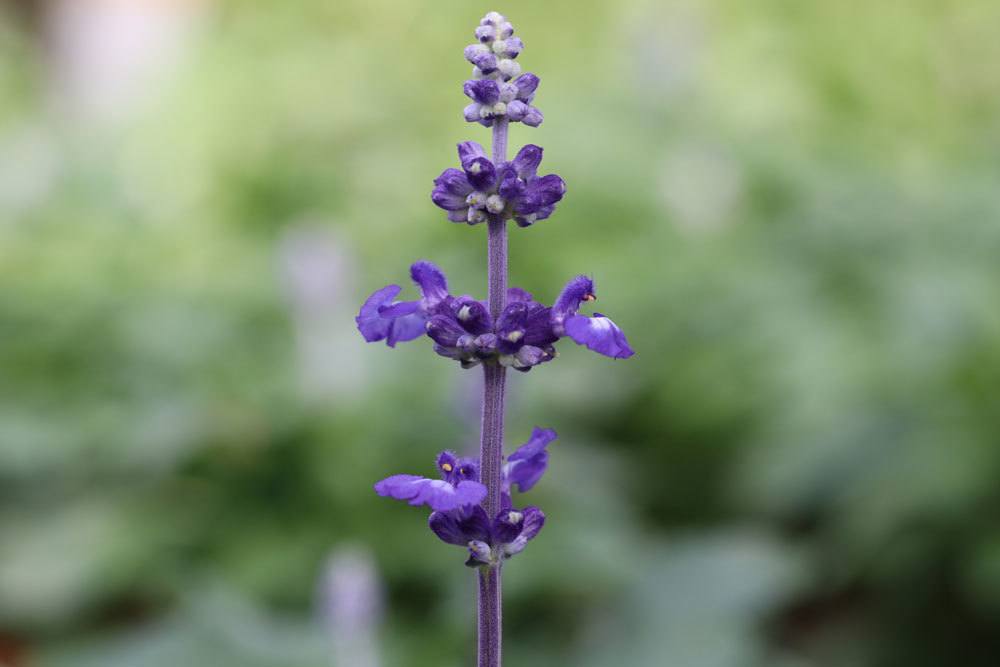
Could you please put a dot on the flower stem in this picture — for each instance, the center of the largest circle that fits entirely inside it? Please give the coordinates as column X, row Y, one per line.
column 491, row 442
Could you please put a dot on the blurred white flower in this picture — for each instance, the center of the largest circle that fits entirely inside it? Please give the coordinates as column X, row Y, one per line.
column 351, row 606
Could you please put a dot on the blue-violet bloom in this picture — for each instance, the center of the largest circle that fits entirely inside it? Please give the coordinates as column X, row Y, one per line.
column 462, row 329
column 458, row 518
column 482, row 191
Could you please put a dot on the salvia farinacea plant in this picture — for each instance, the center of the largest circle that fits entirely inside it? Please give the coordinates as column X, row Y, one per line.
column 471, row 498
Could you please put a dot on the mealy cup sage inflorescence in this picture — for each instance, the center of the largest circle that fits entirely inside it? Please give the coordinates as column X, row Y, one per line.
column 471, row 501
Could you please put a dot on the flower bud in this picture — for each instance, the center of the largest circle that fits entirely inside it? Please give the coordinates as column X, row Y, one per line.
column 508, row 68
column 493, row 18
column 495, row 204
column 508, row 93
column 486, row 33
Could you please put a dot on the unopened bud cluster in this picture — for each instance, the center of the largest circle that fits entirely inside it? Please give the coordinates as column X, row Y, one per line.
column 497, row 88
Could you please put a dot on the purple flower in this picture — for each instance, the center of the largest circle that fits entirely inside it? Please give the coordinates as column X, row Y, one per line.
column 482, row 191
column 489, row 542
column 498, row 88
column 382, row 317
column 597, row 333
column 458, row 487
column 528, row 462
column 458, row 518
column 492, row 100
column 522, row 337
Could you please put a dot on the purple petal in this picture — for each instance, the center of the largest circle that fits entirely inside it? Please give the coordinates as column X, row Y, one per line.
column 461, row 527
column 517, row 110
column 460, row 215
column 580, row 288
column 481, row 173
column 486, row 33
column 511, row 187
column 534, row 519
column 484, row 91
column 537, row 443
column 406, row 328
column 533, row 117
column 472, row 315
column 526, row 85
column 518, row 294
column 538, row 326
column 512, row 47
column 530, row 356
column 507, row 525
column 471, row 112
column 444, row 330
column 529, row 461
column 370, row 322
column 527, row 160
column 450, row 190
column 481, row 56
column 431, row 281
column 436, row 493
column 541, row 192
column 511, row 327
column 599, row 334
column 470, row 150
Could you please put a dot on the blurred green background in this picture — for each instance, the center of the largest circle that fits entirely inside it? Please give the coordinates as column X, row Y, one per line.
column 790, row 207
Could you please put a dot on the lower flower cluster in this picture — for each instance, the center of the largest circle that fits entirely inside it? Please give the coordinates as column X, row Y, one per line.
column 522, row 337
column 458, row 517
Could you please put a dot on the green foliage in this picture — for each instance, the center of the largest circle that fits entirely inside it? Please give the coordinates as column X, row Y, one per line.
column 791, row 209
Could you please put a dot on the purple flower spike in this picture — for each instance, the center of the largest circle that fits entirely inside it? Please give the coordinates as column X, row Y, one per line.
column 498, row 89
column 437, row 494
column 528, row 462
column 599, row 334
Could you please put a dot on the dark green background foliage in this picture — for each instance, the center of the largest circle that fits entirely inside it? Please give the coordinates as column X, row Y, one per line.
column 790, row 207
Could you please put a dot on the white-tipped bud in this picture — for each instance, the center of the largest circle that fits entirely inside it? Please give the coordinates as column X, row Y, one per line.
column 485, row 33
column 485, row 112
column 476, row 199
column 508, row 92
column 480, row 551
column 476, row 216
column 513, row 337
column 499, row 47
column 493, row 18
column 506, row 30
column 499, row 109
column 495, row 204
column 464, row 312
column 477, row 73
column 471, row 112
column 514, row 517
column 509, row 68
